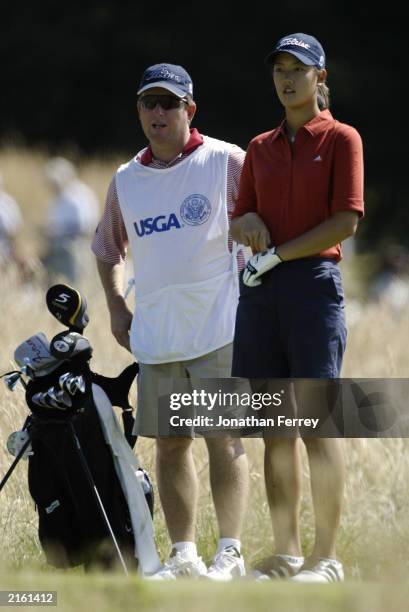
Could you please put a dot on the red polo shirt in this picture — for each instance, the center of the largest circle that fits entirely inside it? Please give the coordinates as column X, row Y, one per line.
column 293, row 190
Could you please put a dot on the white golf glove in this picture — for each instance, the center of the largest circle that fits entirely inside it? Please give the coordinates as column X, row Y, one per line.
column 258, row 265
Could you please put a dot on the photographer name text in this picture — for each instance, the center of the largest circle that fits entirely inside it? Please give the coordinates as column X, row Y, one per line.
column 248, row 421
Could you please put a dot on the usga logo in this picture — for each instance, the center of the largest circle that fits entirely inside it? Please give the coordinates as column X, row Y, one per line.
column 156, row 224
column 194, row 210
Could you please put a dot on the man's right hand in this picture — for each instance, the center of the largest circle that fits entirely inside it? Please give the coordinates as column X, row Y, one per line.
column 251, row 231
column 112, row 278
column 121, row 319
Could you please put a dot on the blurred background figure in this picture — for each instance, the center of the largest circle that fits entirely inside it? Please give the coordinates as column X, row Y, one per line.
column 72, row 218
column 11, row 222
column 391, row 285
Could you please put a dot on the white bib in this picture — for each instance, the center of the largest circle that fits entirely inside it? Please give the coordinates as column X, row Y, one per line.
column 185, row 280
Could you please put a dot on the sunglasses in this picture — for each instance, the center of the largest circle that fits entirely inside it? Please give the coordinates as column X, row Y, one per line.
column 165, row 102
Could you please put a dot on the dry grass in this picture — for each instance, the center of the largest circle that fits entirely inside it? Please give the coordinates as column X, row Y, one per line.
column 107, row 593
column 374, row 524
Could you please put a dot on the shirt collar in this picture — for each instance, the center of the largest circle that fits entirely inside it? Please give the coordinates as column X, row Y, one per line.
column 319, row 123
column 194, row 141
column 314, row 126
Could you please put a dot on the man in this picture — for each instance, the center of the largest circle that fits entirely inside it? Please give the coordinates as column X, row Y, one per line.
column 170, row 204
column 10, row 225
column 11, row 222
column 72, row 216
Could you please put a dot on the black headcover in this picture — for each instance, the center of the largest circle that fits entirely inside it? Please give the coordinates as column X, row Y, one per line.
column 68, row 306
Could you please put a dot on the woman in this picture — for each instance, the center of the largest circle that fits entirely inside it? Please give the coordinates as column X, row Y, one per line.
column 301, row 195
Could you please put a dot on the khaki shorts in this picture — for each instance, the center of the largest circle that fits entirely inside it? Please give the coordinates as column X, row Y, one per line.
column 154, row 378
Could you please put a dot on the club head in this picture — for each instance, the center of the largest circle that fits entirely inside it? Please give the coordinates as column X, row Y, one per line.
column 62, row 397
column 53, row 403
column 64, row 380
column 47, row 400
column 12, row 380
column 79, row 384
column 59, row 399
column 38, row 399
column 34, row 353
column 71, row 385
column 41, row 399
column 74, row 384
column 68, row 306
column 28, row 371
column 15, row 443
column 52, row 393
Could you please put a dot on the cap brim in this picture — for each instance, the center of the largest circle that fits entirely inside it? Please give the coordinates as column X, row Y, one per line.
column 303, row 58
column 164, row 85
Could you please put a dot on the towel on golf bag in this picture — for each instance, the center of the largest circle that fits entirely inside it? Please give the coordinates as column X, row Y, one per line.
column 129, row 474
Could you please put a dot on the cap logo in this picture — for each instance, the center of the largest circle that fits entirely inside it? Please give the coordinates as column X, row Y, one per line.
column 293, row 41
column 164, row 73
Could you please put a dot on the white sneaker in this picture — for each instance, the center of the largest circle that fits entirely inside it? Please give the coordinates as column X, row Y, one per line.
column 278, row 567
column 227, row 564
column 325, row 570
column 180, row 565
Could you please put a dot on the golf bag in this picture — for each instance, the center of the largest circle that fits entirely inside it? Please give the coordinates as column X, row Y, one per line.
column 94, row 501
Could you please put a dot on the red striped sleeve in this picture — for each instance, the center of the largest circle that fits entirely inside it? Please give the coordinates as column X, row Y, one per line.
column 110, row 241
column 234, row 168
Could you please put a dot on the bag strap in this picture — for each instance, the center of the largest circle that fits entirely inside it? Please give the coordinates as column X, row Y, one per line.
column 117, row 390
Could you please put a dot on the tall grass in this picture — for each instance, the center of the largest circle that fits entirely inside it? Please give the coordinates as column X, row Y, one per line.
column 374, row 523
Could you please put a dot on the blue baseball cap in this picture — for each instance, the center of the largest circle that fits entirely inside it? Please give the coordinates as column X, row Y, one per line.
column 304, row 47
column 169, row 76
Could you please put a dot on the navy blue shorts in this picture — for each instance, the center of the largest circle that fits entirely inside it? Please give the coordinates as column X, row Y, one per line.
column 293, row 324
